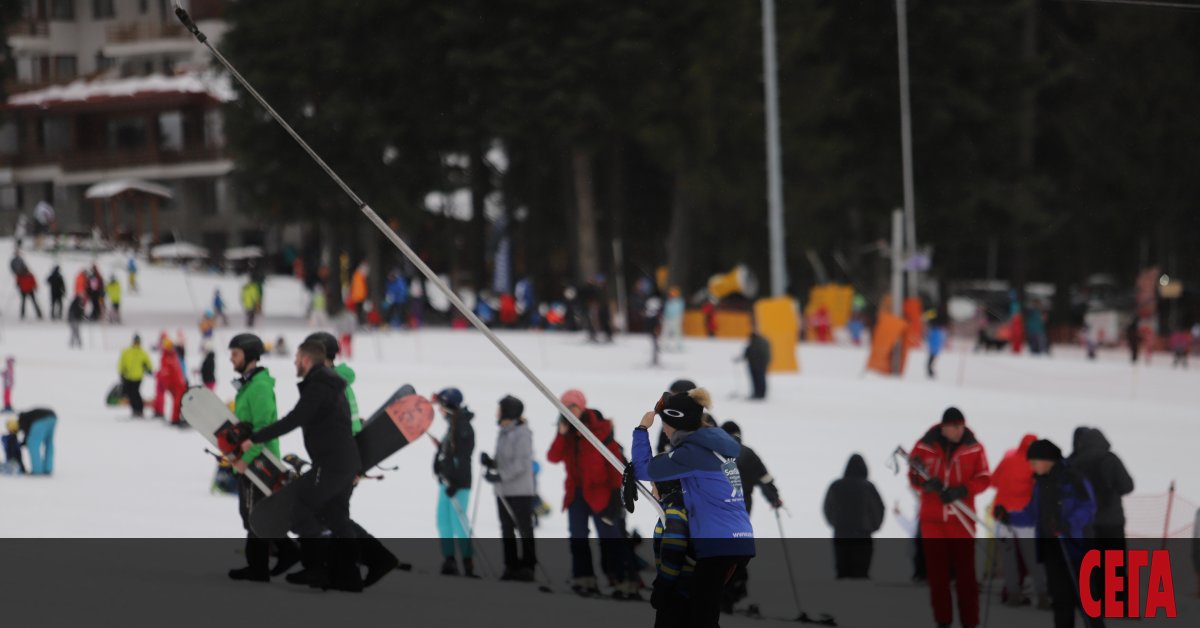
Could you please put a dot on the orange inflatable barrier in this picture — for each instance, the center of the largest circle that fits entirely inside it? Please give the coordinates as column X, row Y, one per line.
column 779, row 322
column 889, row 330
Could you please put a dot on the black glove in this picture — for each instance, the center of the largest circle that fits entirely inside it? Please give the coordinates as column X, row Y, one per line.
column 486, row 460
column 1000, row 513
column 629, row 492
column 451, row 490
column 953, row 493
column 933, row 485
column 491, row 476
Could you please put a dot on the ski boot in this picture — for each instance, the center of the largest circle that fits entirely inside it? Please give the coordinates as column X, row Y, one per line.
column 286, row 556
column 585, row 586
column 469, row 568
column 257, row 557
column 449, row 567
column 379, row 561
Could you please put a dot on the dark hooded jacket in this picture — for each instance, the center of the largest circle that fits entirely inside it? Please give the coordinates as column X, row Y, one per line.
column 452, row 463
column 754, row 473
column 852, row 505
column 758, row 352
column 1093, row 458
column 324, row 416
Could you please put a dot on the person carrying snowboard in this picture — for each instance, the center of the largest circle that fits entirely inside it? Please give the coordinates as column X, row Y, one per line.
column 704, row 461
column 1061, row 511
column 132, row 367
column 255, row 405
column 511, row 474
column 452, row 466
column 322, row 509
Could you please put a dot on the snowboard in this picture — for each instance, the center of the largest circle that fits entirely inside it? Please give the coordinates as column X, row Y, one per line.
column 211, row 418
column 116, row 396
column 402, row 419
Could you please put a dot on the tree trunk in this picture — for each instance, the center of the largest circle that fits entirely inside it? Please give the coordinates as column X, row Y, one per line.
column 679, row 236
column 585, row 214
column 1025, row 203
column 480, row 188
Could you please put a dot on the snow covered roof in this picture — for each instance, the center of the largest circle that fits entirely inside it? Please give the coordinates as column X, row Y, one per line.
column 243, row 252
column 179, row 250
column 109, row 189
column 81, row 91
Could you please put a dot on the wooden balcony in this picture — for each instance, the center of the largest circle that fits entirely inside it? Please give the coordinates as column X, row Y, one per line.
column 111, row 159
column 130, row 32
column 29, row 28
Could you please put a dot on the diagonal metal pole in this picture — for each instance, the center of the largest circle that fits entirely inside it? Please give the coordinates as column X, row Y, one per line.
column 403, row 247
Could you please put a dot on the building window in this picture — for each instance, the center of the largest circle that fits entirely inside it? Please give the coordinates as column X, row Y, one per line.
column 56, row 134
column 102, row 9
column 103, row 62
column 170, row 131
column 127, row 133
column 8, row 138
column 62, row 9
column 65, row 68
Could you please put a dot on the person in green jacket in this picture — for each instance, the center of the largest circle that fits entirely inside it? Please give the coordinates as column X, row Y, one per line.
column 132, row 367
column 251, row 300
column 114, row 296
column 255, row 404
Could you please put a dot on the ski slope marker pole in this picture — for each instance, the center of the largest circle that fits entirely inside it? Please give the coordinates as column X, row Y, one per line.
column 412, row 256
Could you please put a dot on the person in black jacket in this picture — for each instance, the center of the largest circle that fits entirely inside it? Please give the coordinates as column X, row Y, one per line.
column 74, row 320
column 754, row 474
column 757, row 356
column 322, row 506
column 1093, row 458
column 58, row 289
column 854, row 510
column 452, row 466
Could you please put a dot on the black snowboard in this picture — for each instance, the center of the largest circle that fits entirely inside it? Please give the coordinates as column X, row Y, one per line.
column 402, row 419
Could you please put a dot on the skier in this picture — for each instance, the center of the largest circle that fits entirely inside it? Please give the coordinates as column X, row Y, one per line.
column 935, row 338
column 9, row 375
column 1014, row 488
column 27, row 285
column 208, row 368
column 757, row 356
column 131, row 268
column 591, row 491
column 1060, row 510
column 652, row 315
column 1093, row 458
column 854, row 510
column 452, row 466
column 170, row 381
column 673, row 558
column 673, row 320
column 957, row 469
column 703, row 460
column 255, row 404
column 251, row 297
column 38, row 427
column 132, row 367
column 396, row 299
column 218, row 307
column 754, row 473
column 677, row 386
column 74, row 320
column 511, row 474
column 323, row 501
column 378, row 560
column 114, row 296
column 58, row 289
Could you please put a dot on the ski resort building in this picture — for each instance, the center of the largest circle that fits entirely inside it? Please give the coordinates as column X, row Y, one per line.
column 109, row 91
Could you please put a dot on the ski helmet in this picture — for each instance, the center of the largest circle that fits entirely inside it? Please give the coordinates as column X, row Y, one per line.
column 328, row 341
column 450, row 398
column 252, row 346
column 511, row 408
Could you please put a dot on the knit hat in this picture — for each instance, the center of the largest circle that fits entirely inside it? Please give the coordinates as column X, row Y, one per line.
column 1044, row 450
column 573, row 396
column 682, row 385
column 511, row 408
column 731, row 428
column 953, row 416
column 683, row 411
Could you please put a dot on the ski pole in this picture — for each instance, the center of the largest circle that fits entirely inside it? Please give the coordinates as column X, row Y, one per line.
column 787, row 559
column 547, row 588
column 958, row 504
column 416, row 260
column 1087, row 621
column 462, row 520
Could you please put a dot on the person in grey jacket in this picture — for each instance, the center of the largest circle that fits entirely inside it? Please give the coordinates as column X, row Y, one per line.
column 511, row 474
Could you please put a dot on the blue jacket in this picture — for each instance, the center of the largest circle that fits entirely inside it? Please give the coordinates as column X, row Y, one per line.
column 705, row 464
column 935, row 339
column 1074, row 508
column 397, row 290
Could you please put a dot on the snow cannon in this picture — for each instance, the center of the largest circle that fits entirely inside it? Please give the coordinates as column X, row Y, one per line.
column 740, row 280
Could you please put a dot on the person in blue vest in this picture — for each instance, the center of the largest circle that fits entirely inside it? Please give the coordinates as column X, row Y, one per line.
column 704, row 460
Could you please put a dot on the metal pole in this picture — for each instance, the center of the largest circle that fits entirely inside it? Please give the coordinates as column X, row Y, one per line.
column 910, row 225
column 774, row 159
column 897, row 260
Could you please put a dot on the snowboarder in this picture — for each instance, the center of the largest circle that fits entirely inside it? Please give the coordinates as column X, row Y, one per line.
column 323, row 503
column 58, row 290
column 114, row 297
column 591, row 492
column 9, row 375
column 673, row 558
column 38, row 427
column 74, row 320
column 1060, row 510
column 1014, row 488
column 957, row 469
column 27, row 285
column 757, row 356
column 854, row 510
column 132, row 367
column 170, row 381
column 511, row 475
column 703, row 460
column 332, row 348
column 452, row 466
column 255, row 404
column 251, row 296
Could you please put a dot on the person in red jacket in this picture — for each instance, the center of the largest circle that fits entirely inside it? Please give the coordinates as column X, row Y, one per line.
column 592, row 491
column 170, row 380
column 1014, row 488
column 957, row 470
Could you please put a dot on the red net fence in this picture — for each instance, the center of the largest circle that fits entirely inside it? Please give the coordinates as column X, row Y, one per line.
column 1166, row 515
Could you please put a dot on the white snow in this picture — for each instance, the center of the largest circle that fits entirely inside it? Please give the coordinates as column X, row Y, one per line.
column 215, row 85
column 115, row 478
